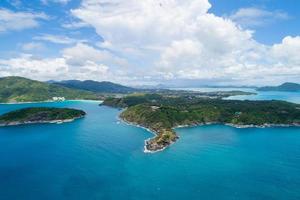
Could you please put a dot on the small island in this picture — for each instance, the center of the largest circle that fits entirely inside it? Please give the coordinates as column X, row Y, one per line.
column 161, row 114
column 37, row 115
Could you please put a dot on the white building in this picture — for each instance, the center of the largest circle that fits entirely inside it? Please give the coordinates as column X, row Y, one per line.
column 58, row 98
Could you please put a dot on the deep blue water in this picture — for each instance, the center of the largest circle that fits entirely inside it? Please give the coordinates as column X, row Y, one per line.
column 99, row 158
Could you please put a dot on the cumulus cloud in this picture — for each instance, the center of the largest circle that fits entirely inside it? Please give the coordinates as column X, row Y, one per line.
column 175, row 39
column 288, row 50
column 81, row 52
column 251, row 17
column 146, row 23
column 162, row 40
column 28, row 66
column 72, row 64
column 16, row 21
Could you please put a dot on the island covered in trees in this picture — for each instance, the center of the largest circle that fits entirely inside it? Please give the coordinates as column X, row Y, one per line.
column 40, row 115
column 161, row 114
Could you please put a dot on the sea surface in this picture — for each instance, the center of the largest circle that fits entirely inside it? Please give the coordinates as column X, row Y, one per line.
column 101, row 158
column 293, row 97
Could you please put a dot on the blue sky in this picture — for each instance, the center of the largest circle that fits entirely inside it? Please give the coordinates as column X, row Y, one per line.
column 150, row 42
column 272, row 32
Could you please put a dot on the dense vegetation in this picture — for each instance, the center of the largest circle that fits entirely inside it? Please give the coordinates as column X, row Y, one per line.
column 39, row 115
column 161, row 114
column 18, row 89
column 223, row 111
column 288, row 87
column 95, row 86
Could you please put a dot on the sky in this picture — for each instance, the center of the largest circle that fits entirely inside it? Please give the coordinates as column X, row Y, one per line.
column 134, row 42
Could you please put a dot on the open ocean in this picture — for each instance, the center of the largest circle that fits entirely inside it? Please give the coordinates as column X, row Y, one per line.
column 100, row 158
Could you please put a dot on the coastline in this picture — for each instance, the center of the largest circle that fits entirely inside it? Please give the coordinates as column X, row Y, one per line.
column 146, row 150
column 266, row 125
column 147, row 129
column 51, row 101
column 28, row 102
column 40, row 122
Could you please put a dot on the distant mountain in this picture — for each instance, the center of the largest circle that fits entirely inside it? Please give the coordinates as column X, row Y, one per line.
column 95, row 86
column 288, row 87
column 19, row 89
column 231, row 86
column 51, row 81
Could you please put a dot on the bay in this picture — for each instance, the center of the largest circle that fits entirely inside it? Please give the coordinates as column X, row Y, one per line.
column 99, row 157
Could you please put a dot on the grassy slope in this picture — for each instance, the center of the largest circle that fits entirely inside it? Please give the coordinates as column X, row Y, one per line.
column 18, row 89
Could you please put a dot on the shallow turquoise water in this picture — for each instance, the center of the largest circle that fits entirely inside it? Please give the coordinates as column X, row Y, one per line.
column 260, row 95
column 270, row 95
column 99, row 158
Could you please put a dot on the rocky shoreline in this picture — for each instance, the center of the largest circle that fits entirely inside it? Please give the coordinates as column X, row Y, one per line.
column 147, row 142
column 150, row 148
column 18, row 123
column 266, row 125
column 50, row 101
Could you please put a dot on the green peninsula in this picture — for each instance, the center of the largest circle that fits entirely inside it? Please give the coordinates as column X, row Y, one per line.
column 40, row 115
column 161, row 114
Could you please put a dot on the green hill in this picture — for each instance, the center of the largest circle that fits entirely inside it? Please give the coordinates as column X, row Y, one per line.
column 40, row 115
column 19, row 89
column 95, row 86
column 285, row 87
column 161, row 114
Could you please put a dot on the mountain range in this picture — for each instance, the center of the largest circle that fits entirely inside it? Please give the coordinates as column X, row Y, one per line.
column 285, row 87
column 19, row 89
column 95, row 86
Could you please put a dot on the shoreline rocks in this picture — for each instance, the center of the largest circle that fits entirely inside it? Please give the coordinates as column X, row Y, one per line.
column 150, row 146
column 18, row 123
column 40, row 115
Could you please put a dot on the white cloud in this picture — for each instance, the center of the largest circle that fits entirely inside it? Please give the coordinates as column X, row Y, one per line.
column 74, row 25
column 167, row 40
column 251, row 17
column 288, row 50
column 140, row 22
column 58, row 39
column 28, row 66
column 16, row 21
column 81, row 53
column 78, row 62
column 174, row 39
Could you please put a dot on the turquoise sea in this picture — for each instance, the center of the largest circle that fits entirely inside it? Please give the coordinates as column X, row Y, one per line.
column 260, row 95
column 270, row 95
column 99, row 157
